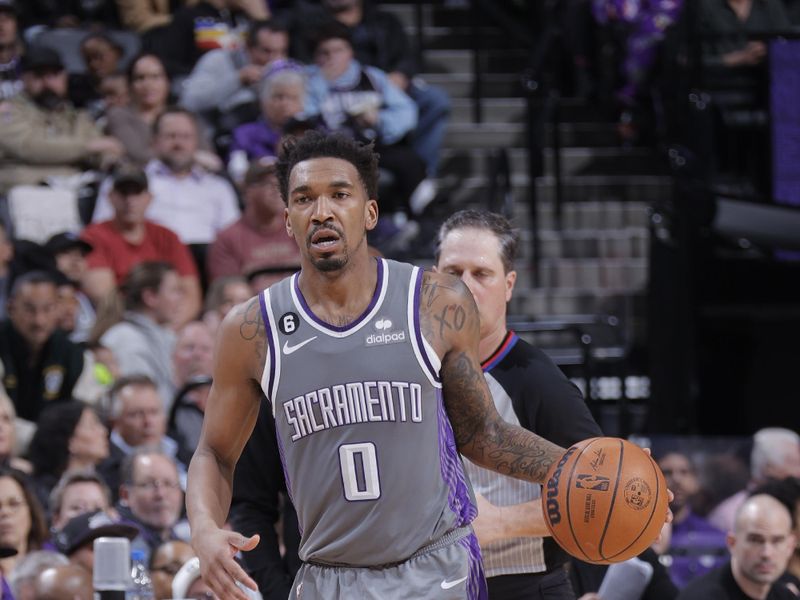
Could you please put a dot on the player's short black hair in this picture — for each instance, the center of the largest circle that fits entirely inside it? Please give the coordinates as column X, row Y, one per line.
column 483, row 219
column 315, row 144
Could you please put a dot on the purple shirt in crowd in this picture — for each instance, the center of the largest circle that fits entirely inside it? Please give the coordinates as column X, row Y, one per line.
column 257, row 139
column 696, row 548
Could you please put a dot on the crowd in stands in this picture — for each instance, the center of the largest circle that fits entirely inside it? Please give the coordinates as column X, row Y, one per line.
column 146, row 134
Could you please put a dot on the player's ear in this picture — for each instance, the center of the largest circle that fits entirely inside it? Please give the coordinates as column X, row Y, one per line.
column 287, row 222
column 371, row 214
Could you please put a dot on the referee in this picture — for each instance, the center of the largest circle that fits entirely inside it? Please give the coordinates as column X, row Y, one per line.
column 528, row 390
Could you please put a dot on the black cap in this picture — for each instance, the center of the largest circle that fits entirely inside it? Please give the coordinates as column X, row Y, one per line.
column 66, row 240
column 8, row 6
column 87, row 527
column 40, row 58
column 128, row 179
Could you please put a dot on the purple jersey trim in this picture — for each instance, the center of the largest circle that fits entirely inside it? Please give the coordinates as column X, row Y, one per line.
column 458, row 498
column 338, row 329
column 270, row 345
column 418, row 328
column 477, row 588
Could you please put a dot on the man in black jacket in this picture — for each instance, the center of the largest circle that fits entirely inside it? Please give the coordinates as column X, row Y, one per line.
column 761, row 543
column 40, row 364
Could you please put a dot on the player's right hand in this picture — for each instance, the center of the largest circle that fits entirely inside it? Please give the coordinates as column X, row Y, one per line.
column 216, row 549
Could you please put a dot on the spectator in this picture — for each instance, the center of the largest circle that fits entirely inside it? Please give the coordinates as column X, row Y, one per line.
column 258, row 239
column 193, row 361
column 186, row 196
column 695, row 546
column 10, row 51
column 731, row 22
column 281, row 96
column 8, row 436
column 787, row 492
column 194, row 353
column 41, row 134
column 69, row 582
column 775, row 455
column 128, row 239
column 69, row 253
column 379, row 39
column 133, row 124
column 23, row 579
column 78, row 491
column 6, row 256
column 760, row 544
column 41, row 365
column 226, row 80
column 144, row 341
column 138, row 420
column 22, row 523
column 102, row 56
column 144, row 15
column 209, row 25
column 361, row 101
column 75, row 539
column 69, row 435
column 225, row 293
column 114, row 91
column 151, row 497
column 165, row 561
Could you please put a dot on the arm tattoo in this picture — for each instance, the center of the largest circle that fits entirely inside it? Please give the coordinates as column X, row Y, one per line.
column 252, row 326
column 482, row 435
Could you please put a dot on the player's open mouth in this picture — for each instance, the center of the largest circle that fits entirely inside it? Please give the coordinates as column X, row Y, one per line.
column 324, row 239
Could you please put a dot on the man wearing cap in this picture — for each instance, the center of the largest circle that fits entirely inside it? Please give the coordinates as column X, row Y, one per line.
column 128, row 239
column 75, row 539
column 41, row 134
column 10, row 51
column 258, row 239
column 69, row 253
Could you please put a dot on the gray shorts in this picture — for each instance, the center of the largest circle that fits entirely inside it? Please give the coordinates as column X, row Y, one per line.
column 452, row 570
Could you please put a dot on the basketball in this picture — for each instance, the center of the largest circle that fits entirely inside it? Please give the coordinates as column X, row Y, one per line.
column 605, row 501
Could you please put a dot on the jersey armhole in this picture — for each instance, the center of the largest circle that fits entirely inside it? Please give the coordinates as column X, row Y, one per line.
column 272, row 367
column 426, row 356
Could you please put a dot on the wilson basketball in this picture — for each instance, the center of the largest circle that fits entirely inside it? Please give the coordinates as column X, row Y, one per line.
column 605, row 501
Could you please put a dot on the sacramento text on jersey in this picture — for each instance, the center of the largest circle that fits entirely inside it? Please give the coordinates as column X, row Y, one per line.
column 349, row 403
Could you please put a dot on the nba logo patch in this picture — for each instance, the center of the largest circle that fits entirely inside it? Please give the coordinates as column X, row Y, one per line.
column 588, row 481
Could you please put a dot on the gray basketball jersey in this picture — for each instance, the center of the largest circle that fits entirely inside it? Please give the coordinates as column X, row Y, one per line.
column 368, row 451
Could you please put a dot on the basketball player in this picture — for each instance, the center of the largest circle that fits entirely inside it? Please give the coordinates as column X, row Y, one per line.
column 372, row 371
column 479, row 247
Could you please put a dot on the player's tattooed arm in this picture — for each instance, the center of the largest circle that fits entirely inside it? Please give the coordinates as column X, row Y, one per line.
column 251, row 327
column 450, row 321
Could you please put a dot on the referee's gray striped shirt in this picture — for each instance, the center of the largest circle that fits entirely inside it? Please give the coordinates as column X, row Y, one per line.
column 514, row 555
